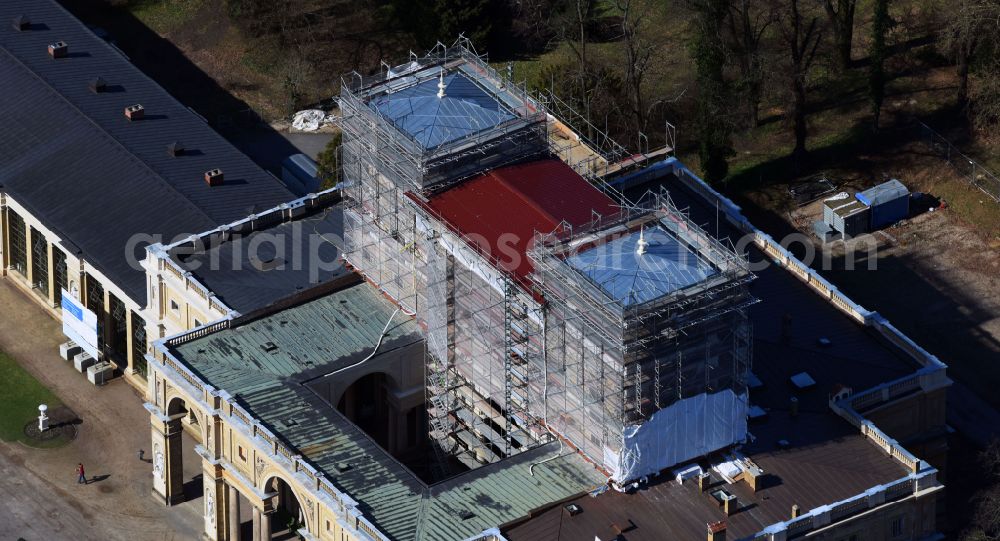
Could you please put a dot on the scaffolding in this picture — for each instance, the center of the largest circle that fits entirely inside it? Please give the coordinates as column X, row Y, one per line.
column 485, row 362
column 510, row 361
column 478, row 344
column 612, row 364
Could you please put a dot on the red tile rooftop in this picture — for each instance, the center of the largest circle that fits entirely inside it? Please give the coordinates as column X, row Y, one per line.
column 501, row 210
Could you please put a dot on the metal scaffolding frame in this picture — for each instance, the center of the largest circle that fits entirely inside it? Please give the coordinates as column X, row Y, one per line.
column 509, row 361
column 612, row 364
column 478, row 346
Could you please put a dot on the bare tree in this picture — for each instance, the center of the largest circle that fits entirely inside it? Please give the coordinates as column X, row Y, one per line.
column 802, row 37
column 638, row 54
column 876, row 73
column 985, row 524
column 714, row 111
column 745, row 24
column 840, row 14
column 975, row 25
column 580, row 14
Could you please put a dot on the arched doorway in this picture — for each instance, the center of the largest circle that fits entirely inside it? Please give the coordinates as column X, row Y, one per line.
column 288, row 516
column 365, row 403
column 186, row 464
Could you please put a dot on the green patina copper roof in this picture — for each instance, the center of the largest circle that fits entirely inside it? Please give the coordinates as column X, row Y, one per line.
column 262, row 362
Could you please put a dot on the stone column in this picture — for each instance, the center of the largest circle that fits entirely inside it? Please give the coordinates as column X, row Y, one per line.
column 265, row 525
column 214, row 501
column 52, row 274
column 234, row 514
column 256, row 524
column 168, row 470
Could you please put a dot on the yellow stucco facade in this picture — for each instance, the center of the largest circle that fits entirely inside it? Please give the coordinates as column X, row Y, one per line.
column 239, row 459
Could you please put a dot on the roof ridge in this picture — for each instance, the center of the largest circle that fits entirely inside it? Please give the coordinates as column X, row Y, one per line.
column 103, row 131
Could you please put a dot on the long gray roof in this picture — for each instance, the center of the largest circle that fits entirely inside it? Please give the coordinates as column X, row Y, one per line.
column 71, row 157
column 339, row 329
column 251, row 271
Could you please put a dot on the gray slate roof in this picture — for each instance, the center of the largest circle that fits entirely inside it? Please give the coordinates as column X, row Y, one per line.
column 72, row 158
column 257, row 269
column 339, row 329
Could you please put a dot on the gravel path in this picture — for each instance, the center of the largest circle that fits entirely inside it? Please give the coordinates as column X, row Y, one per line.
column 39, row 496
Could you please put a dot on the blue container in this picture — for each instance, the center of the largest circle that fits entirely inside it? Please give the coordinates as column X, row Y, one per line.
column 889, row 203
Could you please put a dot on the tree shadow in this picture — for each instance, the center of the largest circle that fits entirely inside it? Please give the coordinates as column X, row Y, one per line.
column 164, row 62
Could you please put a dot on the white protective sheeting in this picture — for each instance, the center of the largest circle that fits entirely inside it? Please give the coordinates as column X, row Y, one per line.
column 685, row 430
column 310, row 120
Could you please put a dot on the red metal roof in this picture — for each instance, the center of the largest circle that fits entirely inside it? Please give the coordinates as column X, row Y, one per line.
column 501, row 210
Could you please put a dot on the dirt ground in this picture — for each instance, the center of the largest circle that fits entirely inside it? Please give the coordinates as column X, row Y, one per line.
column 39, row 495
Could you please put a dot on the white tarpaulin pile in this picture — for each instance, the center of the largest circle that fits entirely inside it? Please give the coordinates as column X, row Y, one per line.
column 310, row 120
column 685, row 430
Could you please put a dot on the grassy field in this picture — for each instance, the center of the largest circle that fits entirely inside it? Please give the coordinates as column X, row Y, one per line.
column 19, row 403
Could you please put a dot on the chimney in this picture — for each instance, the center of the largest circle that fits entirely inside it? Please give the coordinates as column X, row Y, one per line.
column 730, row 504
column 704, row 480
column 134, row 112
column 796, row 512
column 97, row 85
column 214, row 177
column 21, row 23
column 717, row 531
column 793, row 407
column 175, row 149
column 58, row 49
column 752, row 475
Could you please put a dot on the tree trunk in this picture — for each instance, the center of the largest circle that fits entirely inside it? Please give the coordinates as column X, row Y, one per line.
column 799, row 117
column 842, row 23
column 845, row 39
column 753, row 105
column 963, row 75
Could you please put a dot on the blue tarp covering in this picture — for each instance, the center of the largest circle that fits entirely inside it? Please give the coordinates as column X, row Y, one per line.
column 631, row 278
column 432, row 121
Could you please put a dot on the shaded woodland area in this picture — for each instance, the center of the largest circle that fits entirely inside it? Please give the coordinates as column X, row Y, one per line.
column 710, row 67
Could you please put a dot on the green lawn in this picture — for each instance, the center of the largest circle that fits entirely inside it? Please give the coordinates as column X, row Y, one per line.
column 19, row 402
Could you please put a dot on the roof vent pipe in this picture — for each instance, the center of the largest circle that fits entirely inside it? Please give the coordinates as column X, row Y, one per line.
column 441, row 84
column 21, row 23
column 97, row 85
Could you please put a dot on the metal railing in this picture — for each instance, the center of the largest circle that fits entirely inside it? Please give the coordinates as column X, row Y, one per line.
column 973, row 172
column 931, row 375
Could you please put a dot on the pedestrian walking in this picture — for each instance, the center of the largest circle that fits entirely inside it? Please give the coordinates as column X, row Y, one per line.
column 82, row 480
column 141, row 453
